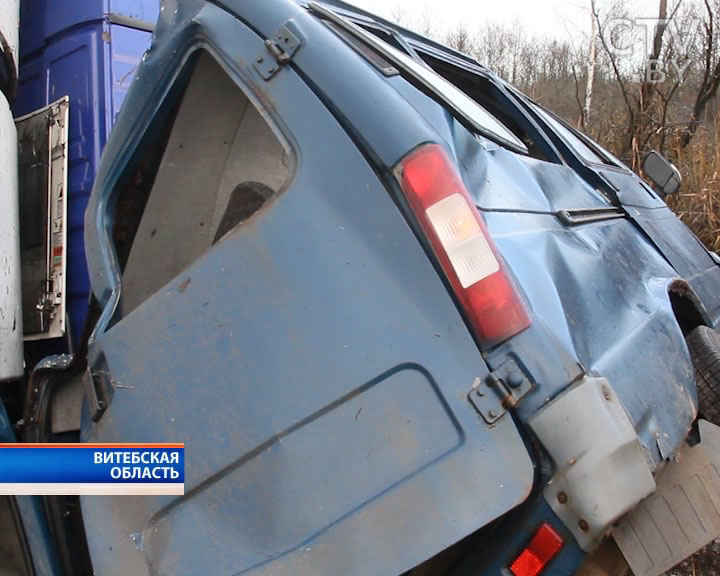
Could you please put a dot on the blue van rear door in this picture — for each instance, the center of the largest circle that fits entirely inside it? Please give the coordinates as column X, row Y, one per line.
column 310, row 358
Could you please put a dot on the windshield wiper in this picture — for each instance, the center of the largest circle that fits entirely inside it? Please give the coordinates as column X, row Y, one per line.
column 585, row 216
column 572, row 217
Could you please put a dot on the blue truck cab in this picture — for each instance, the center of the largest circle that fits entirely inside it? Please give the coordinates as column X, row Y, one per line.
column 404, row 319
column 87, row 51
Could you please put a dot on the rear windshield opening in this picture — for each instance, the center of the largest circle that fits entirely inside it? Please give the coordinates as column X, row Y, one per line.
column 460, row 92
column 489, row 96
column 220, row 164
column 384, row 35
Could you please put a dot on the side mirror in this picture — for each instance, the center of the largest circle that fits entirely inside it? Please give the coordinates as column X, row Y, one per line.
column 662, row 173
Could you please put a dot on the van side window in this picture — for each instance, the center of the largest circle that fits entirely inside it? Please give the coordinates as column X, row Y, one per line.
column 221, row 163
column 573, row 140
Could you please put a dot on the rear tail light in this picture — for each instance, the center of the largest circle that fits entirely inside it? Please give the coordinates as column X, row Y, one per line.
column 542, row 548
column 461, row 242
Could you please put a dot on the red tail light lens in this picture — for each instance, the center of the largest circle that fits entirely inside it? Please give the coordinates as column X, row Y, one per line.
column 542, row 548
column 462, row 244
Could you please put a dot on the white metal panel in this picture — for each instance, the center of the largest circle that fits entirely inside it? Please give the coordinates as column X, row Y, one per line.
column 11, row 328
column 43, row 142
column 9, row 23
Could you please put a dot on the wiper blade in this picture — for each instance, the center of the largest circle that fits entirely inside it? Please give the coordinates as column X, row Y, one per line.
column 585, row 216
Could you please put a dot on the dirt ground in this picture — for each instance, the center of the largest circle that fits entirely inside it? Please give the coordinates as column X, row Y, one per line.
column 706, row 562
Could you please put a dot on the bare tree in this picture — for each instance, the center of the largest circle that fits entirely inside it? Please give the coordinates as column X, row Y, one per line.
column 399, row 16
column 592, row 64
column 426, row 22
column 459, row 38
column 711, row 74
column 646, row 104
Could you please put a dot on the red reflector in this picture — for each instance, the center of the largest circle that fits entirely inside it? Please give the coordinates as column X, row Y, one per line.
column 462, row 244
column 542, row 548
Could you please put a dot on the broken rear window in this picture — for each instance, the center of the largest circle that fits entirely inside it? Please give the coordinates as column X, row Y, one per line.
column 471, row 114
column 466, row 105
column 220, row 164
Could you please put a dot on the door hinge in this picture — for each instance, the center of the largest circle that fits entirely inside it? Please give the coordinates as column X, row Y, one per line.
column 99, row 387
column 279, row 50
column 499, row 391
column 98, row 392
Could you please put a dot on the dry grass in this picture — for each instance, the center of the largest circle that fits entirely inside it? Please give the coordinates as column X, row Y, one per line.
column 698, row 203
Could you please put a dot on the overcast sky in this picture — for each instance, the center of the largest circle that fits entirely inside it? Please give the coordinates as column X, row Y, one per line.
column 547, row 18
column 539, row 17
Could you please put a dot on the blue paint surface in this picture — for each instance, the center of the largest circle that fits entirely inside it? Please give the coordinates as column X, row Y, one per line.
column 317, row 366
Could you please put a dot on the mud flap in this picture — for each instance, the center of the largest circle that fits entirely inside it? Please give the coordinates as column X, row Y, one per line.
column 602, row 472
column 682, row 516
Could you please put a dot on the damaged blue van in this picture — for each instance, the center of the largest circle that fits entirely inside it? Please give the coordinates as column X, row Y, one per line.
column 405, row 320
